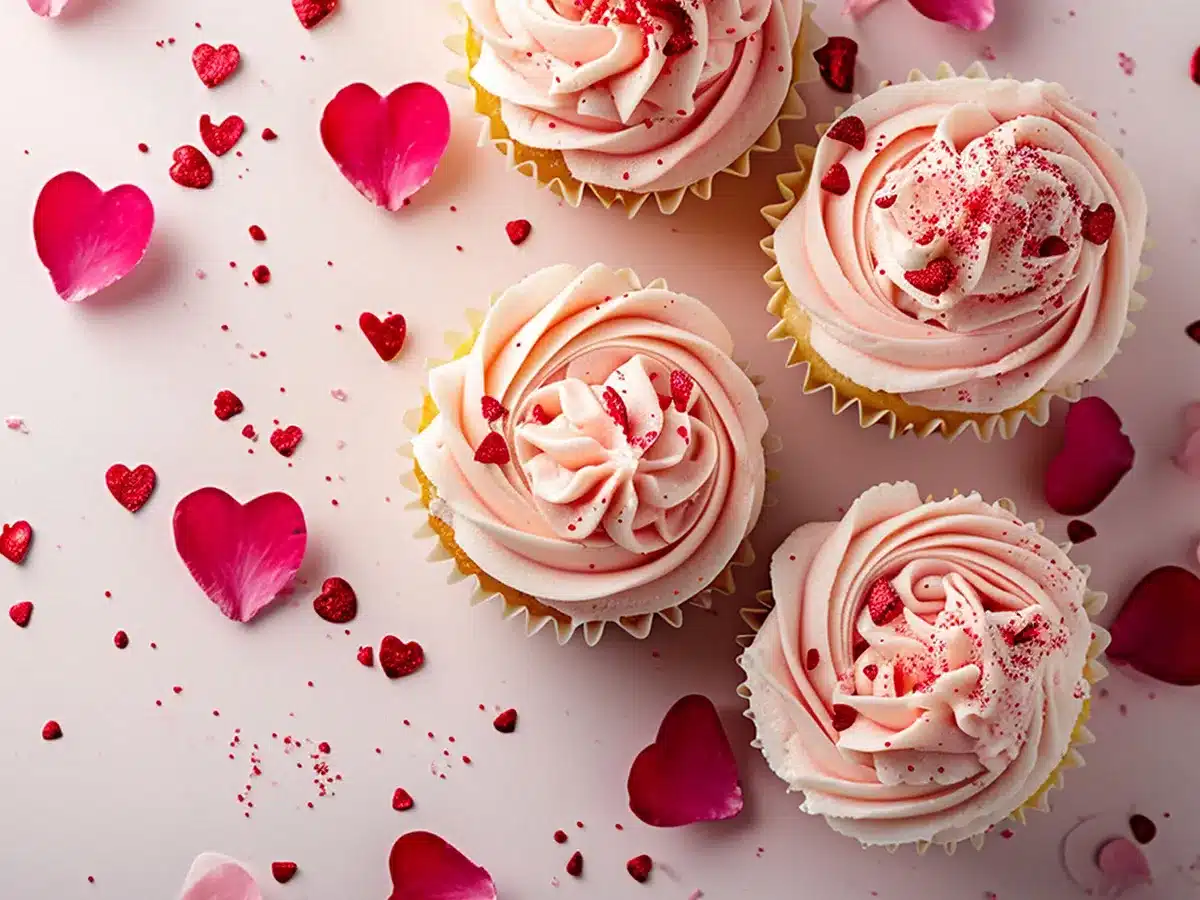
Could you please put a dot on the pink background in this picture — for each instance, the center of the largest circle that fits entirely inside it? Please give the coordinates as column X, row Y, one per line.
column 133, row 791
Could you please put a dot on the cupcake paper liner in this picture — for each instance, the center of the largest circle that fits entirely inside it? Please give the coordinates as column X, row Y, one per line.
column 1093, row 670
column 548, row 167
column 516, row 603
column 876, row 407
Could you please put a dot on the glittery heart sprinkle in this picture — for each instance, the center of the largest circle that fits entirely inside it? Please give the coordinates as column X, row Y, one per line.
column 366, row 656
column 1052, row 246
column 493, row 450
column 15, row 540
column 337, row 602
column 492, row 409
column 883, row 602
column 286, row 440
column 1079, row 531
column 849, row 130
column 51, row 731
column 214, row 64
column 283, row 872
column 843, row 716
column 935, row 278
column 836, row 61
column 387, row 337
column 1158, row 629
column 837, row 180
column 1096, row 454
column 639, row 868
column 615, row 407
column 227, row 405
column 191, row 168
column 681, row 389
column 220, row 139
column 312, row 13
column 506, row 722
column 425, row 867
column 518, row 231
column 402, row 800
column 1098, row 223
column 131, row 488
column 398, row 659
column 21, row 613
column 216, row 877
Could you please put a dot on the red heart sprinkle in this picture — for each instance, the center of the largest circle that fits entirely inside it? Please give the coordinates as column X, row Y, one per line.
column 1052, row 246
column 227, row 405
column 886, row 202
column 493, row 450
column 51, row 731
column 849, row 130
column 506, row 722
column 639, row 868
column 20, row 613
column 257, row 234
column 366, row 656
column 286, row 440
column 220, row 139
column 836, row 180
column 492, row 408
column 398, row 658
column 213, row 64
column 560, row 837
column 1079, row 531
column 15, row 540
column 283, row 872
column 262, row 274
column 575, row 864
column 1098, row 223
column 539, row 416
column 870, row 670
column 518, row 231
column 191, row 168
column 324, row 747
column 337, row 602
column 131, row 488
column 615, row 407
column 387, row 337
column 1195, row 66
column 312, row 12
column 269, row 135
column 812, row 659
column 935, row 278
column 1193, row 331
column 402, row 800
column 843, row 716
column 836, row 63
column 883, row 602
column 120, row 640
column 681, row 389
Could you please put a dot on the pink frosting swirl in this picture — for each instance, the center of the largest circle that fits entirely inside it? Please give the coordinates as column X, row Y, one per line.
column 641, row 95
column 923, row 668
column 635, row 463
column 986, row 249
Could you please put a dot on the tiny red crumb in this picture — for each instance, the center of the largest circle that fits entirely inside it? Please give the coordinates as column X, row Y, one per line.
column 269, row 135
column 639, row 867
column 262, row 274
column 51, row 731
column 560, row 837
column 575, row 864
column 121, row 640
column 324, row 745
column 402, row 800
column 257, row 233
column 506, row 722
column 1006, row 833
column 283, row 872
column 20, row 613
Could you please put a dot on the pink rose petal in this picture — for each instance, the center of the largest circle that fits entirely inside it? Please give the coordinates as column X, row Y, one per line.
column 241, row 556
column 1188, row 457
column 1096, row 855
column 1158, row 629
column 1095, row 456
column 1124, row 864
column 89, row 239
column 425, row 867
column 689, row 773
column 388, row 148
column 859, row 8
column 972, row 15
column 216, row 877
column 49, row 8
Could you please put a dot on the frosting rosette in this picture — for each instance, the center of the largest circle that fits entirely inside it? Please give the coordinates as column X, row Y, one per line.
column 965, row 244
column 924, row 668
column 637, row 95
column 597, row 448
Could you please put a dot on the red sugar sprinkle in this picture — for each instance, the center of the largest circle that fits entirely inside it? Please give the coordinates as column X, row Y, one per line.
column 286, row 440
column 493, row 450
column 492, row 408
column 324, row 747
column 870, row 670
column 615, row 407
column 575, row 864
column 843, row 716
column 639, row 868
column 812, row 659
column 398, row 658
column 849, row 130
column 144, row 148
column 518, row 231
column 837, row 180
column 262, row 274
column 506, row 722
column 283, row 872
column 560, row 837
column 1098, row 223
column 836, row 61
column 1006, row 833
column 366, row 656
column 20, row 613
column 257, row 233
column 886, row 202
column 681, row 389
column 51, row 731
column 120, row 640
column 269, row 135
column 227, row 405
column 402, row 800
column 883, row 602
column 935, row 278
column 337, row 602
column 15, row 540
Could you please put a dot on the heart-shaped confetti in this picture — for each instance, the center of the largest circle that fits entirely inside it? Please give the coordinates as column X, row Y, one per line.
column 15, row 540
column 398, row 659
column 286, row 440
column 689, row 773
column 426, row 867
column 402, row 800
column 518, row 231
column 89, row 239
column 387, row 147
column 216, row 877
column 283, row 871
column 337, row 602
column 836, row 180
column 191, row 168
column 220, row 139
column 215, row 64
column 48, row 8
column 387, row 336
column 1158, row 629
column 312, row 13
column 849, row 130
column 241, row 556
column 506, row 722
column 21, row 613
column 226, row 405
column 131, row 488
column 1095, row 456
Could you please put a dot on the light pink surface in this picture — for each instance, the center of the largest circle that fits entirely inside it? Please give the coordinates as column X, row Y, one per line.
column 133, row 792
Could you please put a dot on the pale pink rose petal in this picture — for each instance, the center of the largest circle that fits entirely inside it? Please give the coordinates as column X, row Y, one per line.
column 88, row 239
column 1095, row 456
column 1158, row 629
column 241, row 556
column 48, row 8
column 1124, row 864
column 1188, row 457
column 689, row 773
column 425, row 867
column 1097, row 856
column 858, row 8
column 387, row 147
column 973, row 15
column 217, row 877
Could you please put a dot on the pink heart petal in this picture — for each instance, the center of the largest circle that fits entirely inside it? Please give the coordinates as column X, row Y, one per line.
column 388, row 148
column 1124, row 864
column 216, row 877
column 972, row 15
column 89, row 239
column 1095, row 456
column 241, row 556
column 689, row 773
column 1158, row 629
column 48, row 8
column 425, row 867
column 1091, row 860
column 1188, row 457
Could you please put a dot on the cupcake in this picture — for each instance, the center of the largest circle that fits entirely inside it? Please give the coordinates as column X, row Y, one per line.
column 956, row 252
column 633, row 98
column 925, row 670
column 593, row 454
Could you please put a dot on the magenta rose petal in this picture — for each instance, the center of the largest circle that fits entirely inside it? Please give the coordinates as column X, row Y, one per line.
column 1095, row 456
column 48, row 8
column 89, row 239
column 689, row 773
column 1188, row 457
column 387, row 147
column 425, row 867
column 1158, row 629
column 971, row 15
column 216, row 877
column 241, row 556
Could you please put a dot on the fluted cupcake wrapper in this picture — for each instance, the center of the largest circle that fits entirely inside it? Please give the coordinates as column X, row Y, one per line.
column 515, row 603
column 875, row 407
column 549, row 168
column 1094, row 671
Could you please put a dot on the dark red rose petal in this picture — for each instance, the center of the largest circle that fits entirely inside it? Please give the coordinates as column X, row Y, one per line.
column 1052, row 246
column 615, row 407
column 387, row 336
column 492, row 408
column 1193, row 331
column 1194, row 69
column 312, row 13
column 883, row 602
column 1142, row 828
column 20, row 613
column 843, row 716
column 575, row 864
column 286, row 440
column 283, row 872
column 681, row 389
column 398, row 659
column 639, row 868
column 366, row 656
column 191, row 168
column 1095, row 456
column 227, row 405
column 337, row 602
column 836, row 180
column 836, row 63
column 220, row 139
column 424, row 867
column 935, row 278
column 812, row 659
column 870, row 670
column 51, row 731
column 1158, row 629
column 849, row 130
column 262, row 274
column 402, row 800
column 269, row 135
column 506, row 722
column 131, row 488
column 518, row 231
column 15, row 540
column 1079, row 531
column 215, row 64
